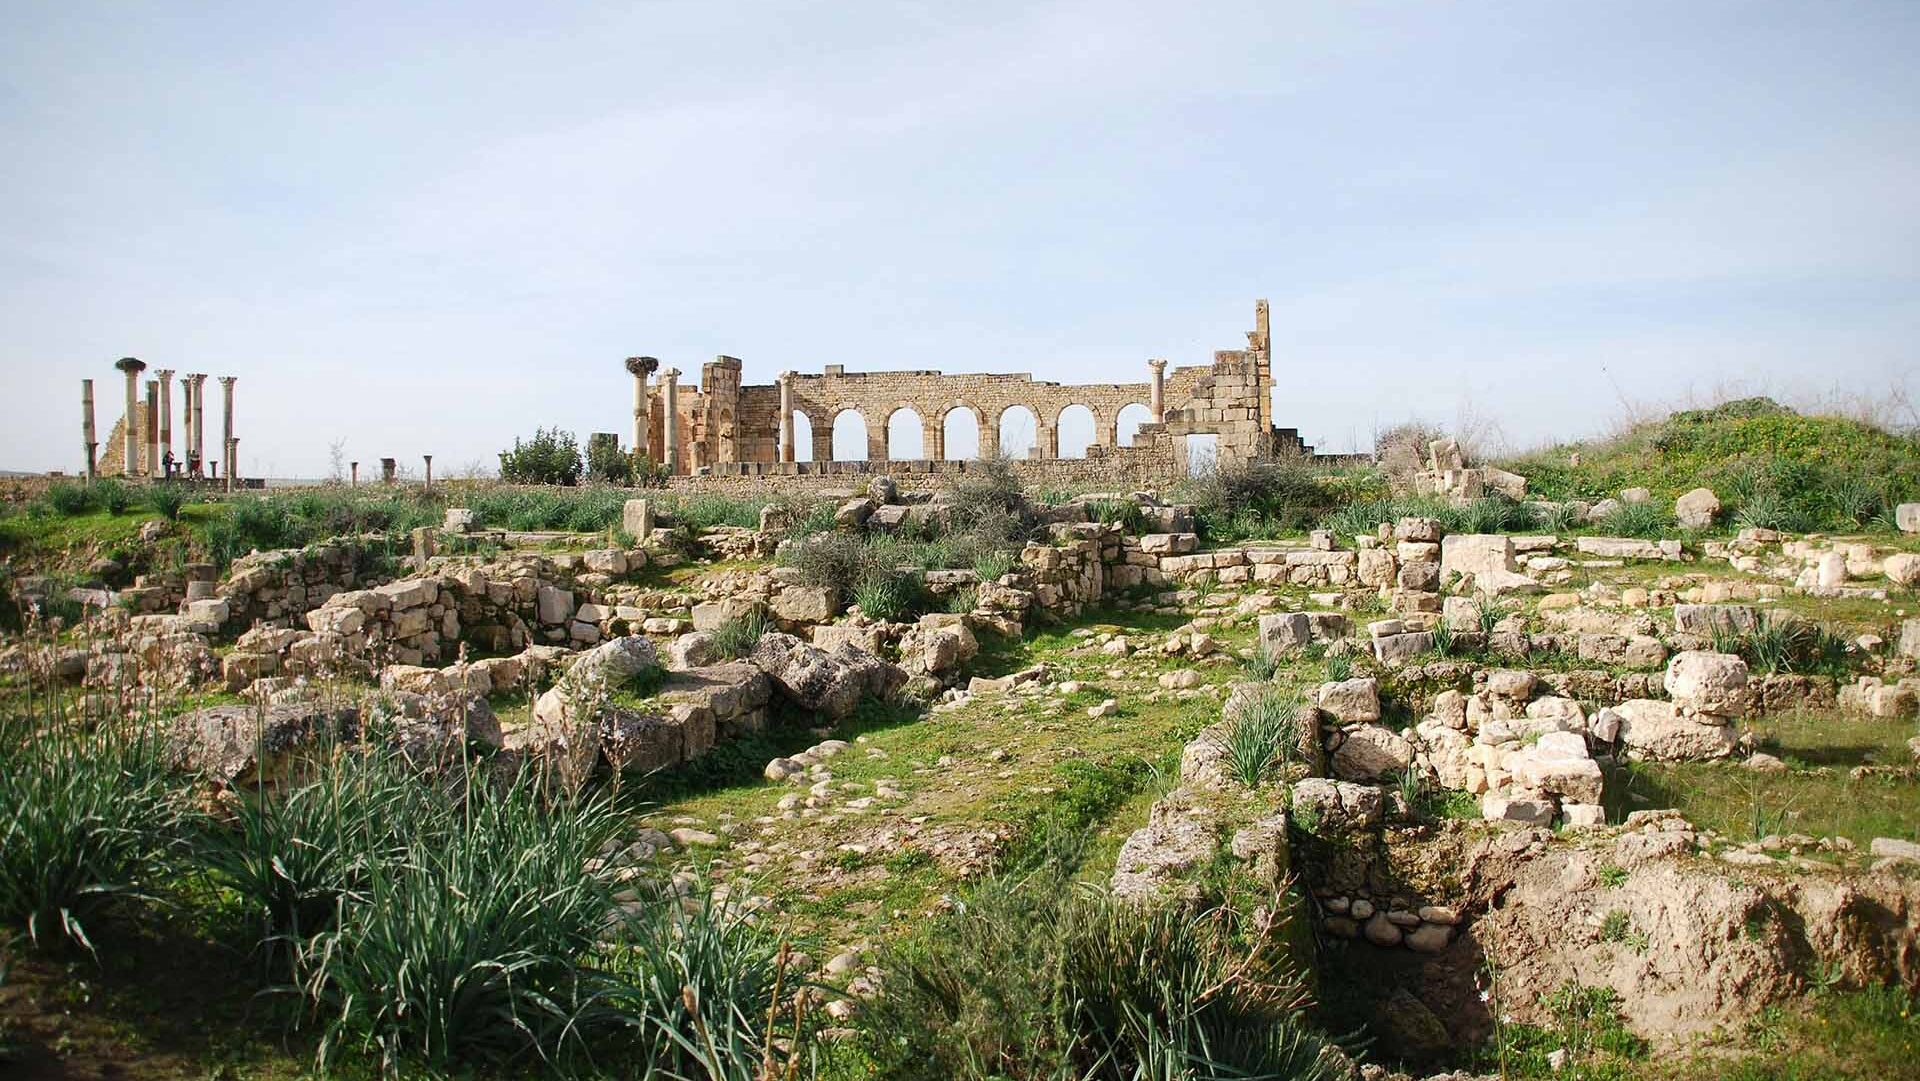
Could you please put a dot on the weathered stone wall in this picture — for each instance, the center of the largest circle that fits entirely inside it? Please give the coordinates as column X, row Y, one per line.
column 723, row 422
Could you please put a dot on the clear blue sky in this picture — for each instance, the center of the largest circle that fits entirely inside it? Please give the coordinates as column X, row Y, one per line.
column 428, row 228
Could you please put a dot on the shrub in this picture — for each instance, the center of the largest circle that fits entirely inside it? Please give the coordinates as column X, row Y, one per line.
column 1265, row 731
column 994, row 565
column 87, row 813
column 835, row 560
column 70, row 499
column 1339, row 666
column 1489, row 514
column 736, row 638
column 1261, row 664
column 962, row 601
column 1233, row 502
column 1785, row 644
column 606, row 462
column 291, row 858
column 550, row 457
column 166, row 500
column 112, row 496
column 1035, row 978
column 691, row 993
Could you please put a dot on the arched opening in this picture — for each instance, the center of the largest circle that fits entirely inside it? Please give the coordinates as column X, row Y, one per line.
column 1076, row 431
column 1203, row 452
column 802, row 437
column 906, row 436
column 961, row 429
column 1129, row 422
column 849, row 436
column 1019, row 432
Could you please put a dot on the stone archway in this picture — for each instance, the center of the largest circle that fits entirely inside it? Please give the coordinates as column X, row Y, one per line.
column 1076, row 428
column 960, row 432
column 802, row 437
column 1127, row 423
column 850, row 436
column 906, row 435
column 1019, row 433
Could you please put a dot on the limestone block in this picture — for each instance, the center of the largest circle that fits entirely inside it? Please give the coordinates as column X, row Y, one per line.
column 1657, row 730
column 1906, row 516
column 553, row 605
column 804, row 604
column 1702, row 619
column 605, row 561
column 1902, row 570
column 1370, row 752
column 1351, row 701
column 1703, row 682
column 1284, row 632
column 1169, row 543
column 410, row 593
column 1697, row 509
column 636, row 519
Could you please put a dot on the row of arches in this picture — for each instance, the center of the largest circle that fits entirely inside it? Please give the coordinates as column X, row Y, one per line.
column 960, row 433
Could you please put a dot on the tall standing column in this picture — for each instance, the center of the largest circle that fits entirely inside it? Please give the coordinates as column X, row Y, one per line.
column 162, row 466
column 670, row 423
column 640, row 368
column 1157, row 402
column 153, row 428
column 199, row 423
column 786, row 416
column 86, row 428
column 130, row 434
column 228, row 454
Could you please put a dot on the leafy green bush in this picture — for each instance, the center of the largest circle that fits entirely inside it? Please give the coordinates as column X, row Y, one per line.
column 290, row 859
column 1649, row 520
column 837, row 561
column 87, row 814
column 606, row 462
column 112, row 496
column 1239, row 501
column 69, row 500
column 166, row 500
column 550, row 457
column 691, row 994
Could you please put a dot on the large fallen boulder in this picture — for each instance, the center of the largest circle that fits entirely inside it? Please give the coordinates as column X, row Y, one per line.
column 1651, row 729
column 246, row 745
column 828, row 683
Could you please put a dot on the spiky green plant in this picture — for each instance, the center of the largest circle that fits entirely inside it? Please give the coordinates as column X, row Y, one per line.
column 87, row 813
column 1339, row 666
column 1443, row 643
column 1489, row 611
column 885, row 595
column 1261, row 664
column 993, row 565
column 1262, row 733
column 467, row 944
column 736, row 638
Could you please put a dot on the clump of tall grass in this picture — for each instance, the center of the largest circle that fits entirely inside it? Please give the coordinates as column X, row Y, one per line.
column 1785, row 644
column 1261, row 664
column 1650, row 520
column 467, row 940
column 1263, row 732
column 691, row 992
column 291, row 858
column 886, row 595
column 736, row 638
column 87, row 814
column 1037, row 978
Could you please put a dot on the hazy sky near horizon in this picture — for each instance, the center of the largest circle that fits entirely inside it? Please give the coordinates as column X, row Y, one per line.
column 428, row 228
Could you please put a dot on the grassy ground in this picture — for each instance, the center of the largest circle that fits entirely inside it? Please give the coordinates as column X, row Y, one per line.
column 1817, row 795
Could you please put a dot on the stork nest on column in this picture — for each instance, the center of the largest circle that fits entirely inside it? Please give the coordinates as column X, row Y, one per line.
column 642, row 365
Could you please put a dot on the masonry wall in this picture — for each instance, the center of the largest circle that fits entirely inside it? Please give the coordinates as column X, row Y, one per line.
column 723, row 423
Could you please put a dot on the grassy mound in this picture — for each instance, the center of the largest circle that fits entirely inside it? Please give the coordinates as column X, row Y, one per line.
column 1776, row 466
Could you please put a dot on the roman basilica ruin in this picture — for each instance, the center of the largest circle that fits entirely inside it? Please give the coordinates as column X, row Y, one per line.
column 722, row 428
